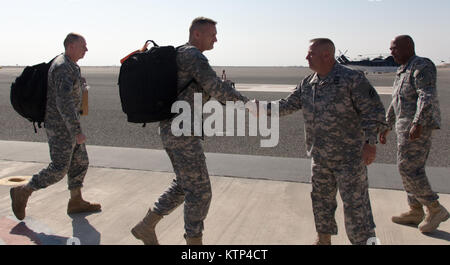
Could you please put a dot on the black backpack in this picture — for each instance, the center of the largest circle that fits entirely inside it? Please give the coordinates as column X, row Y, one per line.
column 148, row 84
column 29, row 93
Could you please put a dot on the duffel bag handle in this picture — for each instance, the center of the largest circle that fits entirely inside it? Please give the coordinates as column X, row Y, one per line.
column 154, row 43
column 143, row 49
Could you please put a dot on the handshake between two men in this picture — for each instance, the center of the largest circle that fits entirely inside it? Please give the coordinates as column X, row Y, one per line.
column 264, row 109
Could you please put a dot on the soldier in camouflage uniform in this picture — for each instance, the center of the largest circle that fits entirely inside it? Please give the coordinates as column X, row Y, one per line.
column 65, row 137
column 415, row 112
column 343, row 115
column 192, row 184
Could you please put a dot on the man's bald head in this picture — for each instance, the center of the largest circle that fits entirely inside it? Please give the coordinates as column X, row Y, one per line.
column 405, row 40
column 321, row 56
column 402, row 48
column 324, row 45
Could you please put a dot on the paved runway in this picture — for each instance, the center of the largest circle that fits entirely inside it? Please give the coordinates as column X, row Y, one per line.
column 106, row 124
column 261, row 195
column 381, row 176
column 382, row 90
column 246, row 209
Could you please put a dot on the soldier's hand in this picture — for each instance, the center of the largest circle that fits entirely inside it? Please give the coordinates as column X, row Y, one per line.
column 415, row 132
column 369, row 153
column 81, row 138
column 383, row 136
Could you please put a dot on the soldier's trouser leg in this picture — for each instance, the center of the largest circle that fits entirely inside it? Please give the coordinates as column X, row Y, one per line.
column 323, row 196
column 192, row 184
column 353, row 185
column 354, row 190
column 61, row 153
column 78, row 167
column 411, row 160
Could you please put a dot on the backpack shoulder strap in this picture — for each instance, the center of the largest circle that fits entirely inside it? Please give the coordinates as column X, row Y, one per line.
column 192, row 80
column 188, row 84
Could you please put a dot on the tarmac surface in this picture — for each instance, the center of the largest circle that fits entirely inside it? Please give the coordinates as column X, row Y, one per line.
column 247, row 207
column 261, row 196
column 106, row 124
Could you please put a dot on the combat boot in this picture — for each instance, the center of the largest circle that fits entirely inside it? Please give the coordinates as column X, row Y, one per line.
column 436, row 213
column 323, row 240
column 414, row 216
column 78, row 205
column 19, row 198
column 193, row 241
column 145, row 229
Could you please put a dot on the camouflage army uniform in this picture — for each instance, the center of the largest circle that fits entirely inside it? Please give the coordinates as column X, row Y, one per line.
column 341, row 112
column 62, row 124
column 415, row 102
column 192, row 184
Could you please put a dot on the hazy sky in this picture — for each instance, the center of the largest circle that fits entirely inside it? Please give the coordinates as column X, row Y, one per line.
column 250, row 32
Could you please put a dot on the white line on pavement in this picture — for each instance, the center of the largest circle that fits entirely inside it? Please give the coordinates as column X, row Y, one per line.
column 382, row 90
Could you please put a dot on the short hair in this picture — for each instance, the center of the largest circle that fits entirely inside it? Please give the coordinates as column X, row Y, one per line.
column 200, row 21
column 324, row 42
column 71, row 38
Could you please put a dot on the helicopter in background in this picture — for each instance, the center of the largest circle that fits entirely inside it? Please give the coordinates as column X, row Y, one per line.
column 444, row 64
column 379, row 64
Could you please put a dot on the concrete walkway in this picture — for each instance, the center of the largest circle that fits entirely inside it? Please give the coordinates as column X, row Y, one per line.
column 272, row 209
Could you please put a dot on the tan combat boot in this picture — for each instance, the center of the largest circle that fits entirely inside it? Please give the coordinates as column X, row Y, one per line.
column 145, row 229
column 19, row 199
column 414, row 216
column 78, row 205
column 323, row 240
column 436, row 213
column 193, row 241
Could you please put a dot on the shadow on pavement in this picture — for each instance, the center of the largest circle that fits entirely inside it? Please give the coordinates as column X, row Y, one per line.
column 439, row 234
column 83, row 230
column 38, row 238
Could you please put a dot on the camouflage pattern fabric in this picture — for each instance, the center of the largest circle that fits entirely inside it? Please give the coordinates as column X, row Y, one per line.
column 411, row 159
column 351, row 180
column 415, row 101
column 341, row 112
column 192, row 64
column 62, row 124
column 192, row 184
column 415, row 98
